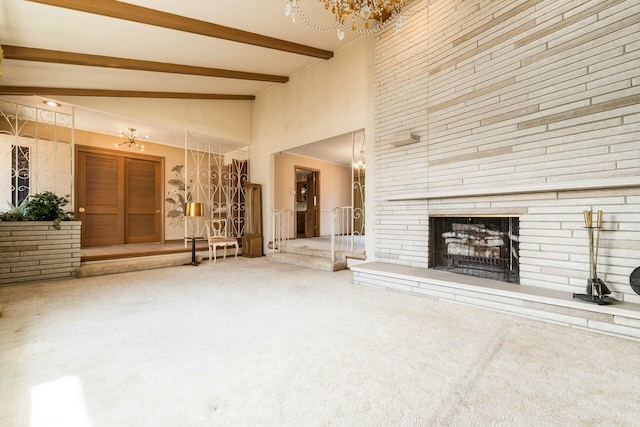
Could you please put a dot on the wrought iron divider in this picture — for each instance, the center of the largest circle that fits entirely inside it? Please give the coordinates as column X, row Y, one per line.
column 214, row 175
column 37, row 152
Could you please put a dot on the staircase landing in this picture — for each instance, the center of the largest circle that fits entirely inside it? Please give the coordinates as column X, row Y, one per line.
column 313, row 253
column 308, row 261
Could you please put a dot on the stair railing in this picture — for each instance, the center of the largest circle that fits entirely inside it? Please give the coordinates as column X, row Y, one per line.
column 281, row 229
column 341, row 230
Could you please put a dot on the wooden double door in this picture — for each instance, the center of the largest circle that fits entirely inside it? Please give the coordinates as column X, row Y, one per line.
column 118, row 197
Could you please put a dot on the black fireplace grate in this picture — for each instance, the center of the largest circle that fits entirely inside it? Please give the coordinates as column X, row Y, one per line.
column 486, row 267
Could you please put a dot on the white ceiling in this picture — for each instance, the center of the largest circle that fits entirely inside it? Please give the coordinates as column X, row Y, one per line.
column 28, row 24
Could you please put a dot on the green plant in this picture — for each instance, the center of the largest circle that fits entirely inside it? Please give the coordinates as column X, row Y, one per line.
column 46, row 206
column 12, row 214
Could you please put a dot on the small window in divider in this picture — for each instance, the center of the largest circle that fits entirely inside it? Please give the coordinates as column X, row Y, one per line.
column 20, row 176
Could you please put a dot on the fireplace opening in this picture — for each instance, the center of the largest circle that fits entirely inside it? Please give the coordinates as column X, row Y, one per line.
column 476, row 246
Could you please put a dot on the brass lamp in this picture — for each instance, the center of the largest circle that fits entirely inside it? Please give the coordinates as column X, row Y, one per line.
column 193, row 209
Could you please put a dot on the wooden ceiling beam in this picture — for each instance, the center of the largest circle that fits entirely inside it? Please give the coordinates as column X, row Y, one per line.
column 61, row 57
column 61, row 91
column 143, row 15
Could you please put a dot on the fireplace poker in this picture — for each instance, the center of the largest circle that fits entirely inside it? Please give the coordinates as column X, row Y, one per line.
column 595, row 258
column 588, row 223
column 596, row 289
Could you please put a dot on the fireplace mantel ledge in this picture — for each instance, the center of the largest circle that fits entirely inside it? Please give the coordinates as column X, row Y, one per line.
column 525, row 189
column 418, row 277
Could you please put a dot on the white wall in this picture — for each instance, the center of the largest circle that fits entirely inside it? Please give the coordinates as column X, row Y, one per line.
column 510, row 96
column 327, row 99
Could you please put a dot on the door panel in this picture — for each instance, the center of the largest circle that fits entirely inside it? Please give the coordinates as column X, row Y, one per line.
column 311, row 220
column 119, row 198
column 100, row 202
column 143, row 194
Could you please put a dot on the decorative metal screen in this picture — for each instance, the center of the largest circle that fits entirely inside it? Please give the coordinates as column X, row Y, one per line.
column 359, row 186
column 214, row 175
column 359, row 169
column 36, row 153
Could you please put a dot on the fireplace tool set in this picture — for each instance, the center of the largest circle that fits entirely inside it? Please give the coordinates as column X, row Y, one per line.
column 597, row 291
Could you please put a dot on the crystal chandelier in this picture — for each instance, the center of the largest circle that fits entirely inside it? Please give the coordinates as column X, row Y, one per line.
column 130, row 139
column 374, row 14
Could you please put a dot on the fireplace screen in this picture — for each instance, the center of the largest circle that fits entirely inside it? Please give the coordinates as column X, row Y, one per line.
column 477, row 246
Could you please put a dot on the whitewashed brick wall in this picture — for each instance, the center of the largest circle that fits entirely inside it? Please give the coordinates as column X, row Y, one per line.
column 514, row 94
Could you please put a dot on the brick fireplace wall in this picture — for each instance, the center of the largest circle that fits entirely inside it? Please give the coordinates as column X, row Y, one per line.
column 527, row 107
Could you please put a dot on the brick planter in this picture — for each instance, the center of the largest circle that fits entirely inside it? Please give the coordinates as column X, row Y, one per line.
column 35, row 250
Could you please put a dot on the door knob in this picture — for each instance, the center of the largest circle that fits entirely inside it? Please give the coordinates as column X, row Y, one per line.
column 81, row 210
column 157, row 210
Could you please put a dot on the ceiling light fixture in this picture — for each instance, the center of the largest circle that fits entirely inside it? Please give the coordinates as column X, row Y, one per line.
column 130, row 139
column 376, row 14
column 52, row 104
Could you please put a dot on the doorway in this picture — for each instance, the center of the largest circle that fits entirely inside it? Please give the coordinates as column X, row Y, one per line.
column 119, row 197
column 307, row 202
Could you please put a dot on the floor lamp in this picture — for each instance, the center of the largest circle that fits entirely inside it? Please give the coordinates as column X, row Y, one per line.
column 193, row 209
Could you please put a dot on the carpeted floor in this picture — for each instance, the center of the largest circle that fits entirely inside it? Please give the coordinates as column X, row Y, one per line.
column 253, row 343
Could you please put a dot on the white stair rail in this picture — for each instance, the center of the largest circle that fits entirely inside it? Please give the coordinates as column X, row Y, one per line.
column 333, row 235
column 281, row 229
column 342, row 232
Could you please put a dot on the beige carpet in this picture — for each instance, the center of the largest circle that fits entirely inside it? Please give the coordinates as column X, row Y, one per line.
column 253, row 343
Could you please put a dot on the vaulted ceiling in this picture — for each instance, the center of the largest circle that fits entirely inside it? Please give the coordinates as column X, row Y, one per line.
column 196, row 49
column 157, row 48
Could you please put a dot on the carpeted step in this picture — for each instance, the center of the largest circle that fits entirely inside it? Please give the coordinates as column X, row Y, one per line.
column 315, row 252
column 100, row 268
column 308, row 261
